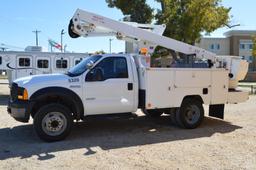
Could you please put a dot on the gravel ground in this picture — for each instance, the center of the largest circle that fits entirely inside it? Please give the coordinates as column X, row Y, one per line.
column 134, row 143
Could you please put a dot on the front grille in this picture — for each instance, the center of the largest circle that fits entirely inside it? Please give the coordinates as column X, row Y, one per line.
column 14, row 91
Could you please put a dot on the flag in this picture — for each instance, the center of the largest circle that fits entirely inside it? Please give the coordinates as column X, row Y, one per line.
column 54, row 44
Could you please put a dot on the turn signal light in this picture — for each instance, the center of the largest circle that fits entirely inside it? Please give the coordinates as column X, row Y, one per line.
column 24, row 96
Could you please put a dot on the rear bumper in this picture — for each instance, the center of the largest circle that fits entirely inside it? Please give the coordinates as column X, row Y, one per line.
column 19, row 110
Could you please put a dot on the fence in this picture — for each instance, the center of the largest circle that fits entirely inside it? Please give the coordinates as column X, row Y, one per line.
column 251, row 86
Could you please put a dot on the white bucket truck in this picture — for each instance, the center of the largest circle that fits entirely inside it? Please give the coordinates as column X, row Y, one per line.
column 121, row 83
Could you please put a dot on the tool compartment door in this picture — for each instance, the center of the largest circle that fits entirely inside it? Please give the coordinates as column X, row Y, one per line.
column 159, row 83
column 219, row 86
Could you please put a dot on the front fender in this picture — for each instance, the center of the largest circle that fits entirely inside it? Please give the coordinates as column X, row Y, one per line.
column 65, row 94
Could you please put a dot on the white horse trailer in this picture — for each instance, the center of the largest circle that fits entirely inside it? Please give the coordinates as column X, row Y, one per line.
column 20, row 64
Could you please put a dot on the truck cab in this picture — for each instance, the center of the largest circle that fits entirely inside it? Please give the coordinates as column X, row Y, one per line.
column 100, row 84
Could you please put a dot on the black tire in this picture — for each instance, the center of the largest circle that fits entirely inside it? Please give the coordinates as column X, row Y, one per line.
column 70, row 30
column 191, row 113
column 153, row 112
column 59, row 120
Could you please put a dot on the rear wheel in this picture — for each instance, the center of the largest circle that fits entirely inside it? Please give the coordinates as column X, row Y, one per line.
column 153, row 112
column 53, row 122
column 191, row 113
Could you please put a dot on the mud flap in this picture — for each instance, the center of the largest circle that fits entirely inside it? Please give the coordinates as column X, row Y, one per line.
column 217, row 111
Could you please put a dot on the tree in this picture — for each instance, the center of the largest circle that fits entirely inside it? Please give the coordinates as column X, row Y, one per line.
column 100, row 52
column 187, row 19
column 254, row 52
column 254, row 46
column 137, row 10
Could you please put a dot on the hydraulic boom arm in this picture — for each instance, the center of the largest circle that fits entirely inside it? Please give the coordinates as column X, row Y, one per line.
column 87, row 24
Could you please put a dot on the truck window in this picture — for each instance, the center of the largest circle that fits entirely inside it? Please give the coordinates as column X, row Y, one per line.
column 42, row 64
column 0, row 60
column 110, row 68
column 24, row 62
column 62, row 63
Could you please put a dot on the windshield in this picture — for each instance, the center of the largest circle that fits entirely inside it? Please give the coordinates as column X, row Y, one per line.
column 82, row 66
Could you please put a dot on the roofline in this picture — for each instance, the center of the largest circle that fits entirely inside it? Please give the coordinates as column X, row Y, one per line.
column 213, row 38
column 240, row 33
column 37, row 52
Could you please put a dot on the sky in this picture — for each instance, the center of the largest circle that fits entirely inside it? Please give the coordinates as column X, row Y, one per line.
column 18, row 18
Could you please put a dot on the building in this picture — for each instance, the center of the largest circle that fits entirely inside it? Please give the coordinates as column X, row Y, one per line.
column 236, row 43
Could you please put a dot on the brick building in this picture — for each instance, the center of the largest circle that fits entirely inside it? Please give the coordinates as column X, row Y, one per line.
column 237, row 43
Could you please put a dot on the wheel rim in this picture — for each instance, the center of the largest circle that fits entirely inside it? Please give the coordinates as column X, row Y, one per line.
column 54, row 123
column 192, row 114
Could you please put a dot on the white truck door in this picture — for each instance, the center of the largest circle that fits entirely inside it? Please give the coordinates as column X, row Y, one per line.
column 24, row 66
column 109, row 87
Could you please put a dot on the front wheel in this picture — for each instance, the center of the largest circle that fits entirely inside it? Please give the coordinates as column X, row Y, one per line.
column 53, row 122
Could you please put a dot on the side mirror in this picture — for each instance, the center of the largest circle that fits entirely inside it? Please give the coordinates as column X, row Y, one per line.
column 89, row 65
column 89, row 77
column 95, row 75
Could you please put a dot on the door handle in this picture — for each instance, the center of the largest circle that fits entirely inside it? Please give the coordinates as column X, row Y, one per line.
column 130, row 86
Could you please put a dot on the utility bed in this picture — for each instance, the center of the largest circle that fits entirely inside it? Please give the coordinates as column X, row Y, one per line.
column 166, row 87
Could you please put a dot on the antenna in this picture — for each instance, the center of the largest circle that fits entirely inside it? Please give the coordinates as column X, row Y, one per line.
column 36, row 32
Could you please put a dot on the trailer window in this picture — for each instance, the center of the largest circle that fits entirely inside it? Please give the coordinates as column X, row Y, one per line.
column 0, row 60
column 62, row 63
column 77, row 61
column 42, row 64
column 24, row 62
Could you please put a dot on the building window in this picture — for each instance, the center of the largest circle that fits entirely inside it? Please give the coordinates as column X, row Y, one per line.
column 42, row 64
column 242, row 46
column 250, row 46
column 0, row 60
column 24, row 62
column 248, row 58
column 217, row 46
column 62, row 63
column 212, row 46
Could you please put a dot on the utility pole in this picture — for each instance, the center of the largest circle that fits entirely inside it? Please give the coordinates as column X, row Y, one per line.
column 3, row 48
column 65, row 47
column 110, row 40
column 61, row 38
column 36, row 32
